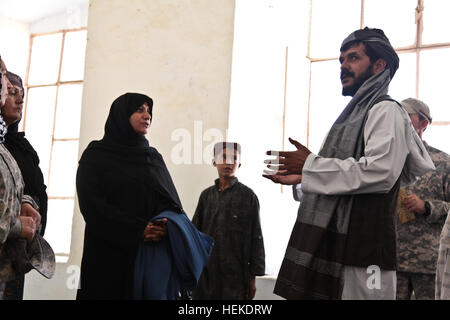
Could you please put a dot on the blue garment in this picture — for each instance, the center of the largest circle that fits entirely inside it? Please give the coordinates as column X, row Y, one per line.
column 176, row 262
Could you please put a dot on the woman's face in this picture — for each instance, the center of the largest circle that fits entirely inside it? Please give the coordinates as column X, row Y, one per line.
column 140, row 120
column 12, row 109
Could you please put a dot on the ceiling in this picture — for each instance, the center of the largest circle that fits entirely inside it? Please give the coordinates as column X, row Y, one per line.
column 29, row 11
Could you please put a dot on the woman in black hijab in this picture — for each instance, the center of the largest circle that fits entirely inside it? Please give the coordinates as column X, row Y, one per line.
column 122, row 183
column 27, row 159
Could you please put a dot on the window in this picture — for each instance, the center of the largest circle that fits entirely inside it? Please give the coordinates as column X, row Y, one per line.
column 54, row 85
column 285, row 83
column 416, row 28
column 268, row 104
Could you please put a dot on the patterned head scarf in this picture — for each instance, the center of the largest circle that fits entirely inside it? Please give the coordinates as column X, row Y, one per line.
column 3, row 130
column 377, row 41
column 15, row 81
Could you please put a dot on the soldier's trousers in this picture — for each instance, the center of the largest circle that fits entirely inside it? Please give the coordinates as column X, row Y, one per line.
column 423, row 286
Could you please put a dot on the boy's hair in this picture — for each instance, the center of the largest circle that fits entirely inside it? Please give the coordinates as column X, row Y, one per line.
column 219, row 146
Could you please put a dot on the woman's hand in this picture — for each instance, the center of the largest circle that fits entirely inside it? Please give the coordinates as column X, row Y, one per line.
column 155, row 231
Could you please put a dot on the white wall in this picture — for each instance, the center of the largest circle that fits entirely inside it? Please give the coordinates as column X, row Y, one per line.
column 73, row 17
column 36, row 286
column 179, row 53
column 263, row 31
column 14, row 45
column 176, row 51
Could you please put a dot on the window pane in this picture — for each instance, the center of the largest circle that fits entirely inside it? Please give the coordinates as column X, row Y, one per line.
column 327, row 101
column 63, row 169
column 331, row 23
column 45, row 58
column 396, row 18
column 403, row 85
column 73, row 57
column 437, row 136
column 276, row 228
column 59, row 225
column 39, row 123
column 433, row 88
column 436, row 23
column 68, row 111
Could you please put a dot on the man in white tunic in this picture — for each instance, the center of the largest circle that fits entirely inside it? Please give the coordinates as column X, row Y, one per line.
column 343, row 243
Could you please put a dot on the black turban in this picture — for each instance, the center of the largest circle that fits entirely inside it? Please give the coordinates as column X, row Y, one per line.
column 376, row 40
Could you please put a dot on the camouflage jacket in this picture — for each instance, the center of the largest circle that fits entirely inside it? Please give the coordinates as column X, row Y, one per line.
column 11, row 199
column 418, row 239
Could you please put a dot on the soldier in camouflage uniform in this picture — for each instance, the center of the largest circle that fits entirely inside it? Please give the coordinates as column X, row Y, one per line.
column 423, row 209
column 18, row 215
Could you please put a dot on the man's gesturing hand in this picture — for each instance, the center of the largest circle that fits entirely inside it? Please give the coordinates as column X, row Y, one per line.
column 291, row 179
column 288, row 162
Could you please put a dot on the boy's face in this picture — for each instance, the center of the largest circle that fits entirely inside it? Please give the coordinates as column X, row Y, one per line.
column 227, row 162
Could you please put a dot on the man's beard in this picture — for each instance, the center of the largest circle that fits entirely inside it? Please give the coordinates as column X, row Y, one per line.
column 351, row 91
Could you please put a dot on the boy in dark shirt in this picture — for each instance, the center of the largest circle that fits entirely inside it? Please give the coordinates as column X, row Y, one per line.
column 229, row 212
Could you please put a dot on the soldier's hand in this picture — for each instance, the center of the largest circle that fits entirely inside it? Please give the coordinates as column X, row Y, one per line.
column 28, row 228
column 27, row 210
column 415, row 204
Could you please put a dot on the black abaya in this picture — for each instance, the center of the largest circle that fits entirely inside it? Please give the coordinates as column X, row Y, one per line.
column 122, row 182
